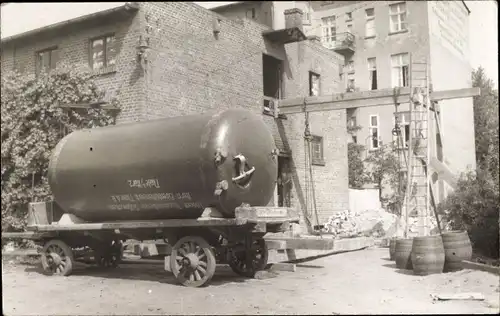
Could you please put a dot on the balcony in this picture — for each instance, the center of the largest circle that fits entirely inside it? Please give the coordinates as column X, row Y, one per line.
column 343, row 44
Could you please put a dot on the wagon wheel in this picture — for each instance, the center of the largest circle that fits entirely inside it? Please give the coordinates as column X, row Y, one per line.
column 192, row 261
column 247, row 262
column 57, row 258
column 109, row 256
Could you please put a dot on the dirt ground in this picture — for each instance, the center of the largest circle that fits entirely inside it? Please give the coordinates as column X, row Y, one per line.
column 362, row 282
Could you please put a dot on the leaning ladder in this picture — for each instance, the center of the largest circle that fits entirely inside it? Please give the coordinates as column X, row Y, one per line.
column 417, row 201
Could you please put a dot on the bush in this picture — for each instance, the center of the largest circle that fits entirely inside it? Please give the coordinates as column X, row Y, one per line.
column 474, row 207
column 32, row 123
column 357, row 172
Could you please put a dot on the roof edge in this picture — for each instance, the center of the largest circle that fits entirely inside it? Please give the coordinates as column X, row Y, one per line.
column 466, row 7
column 128, row 6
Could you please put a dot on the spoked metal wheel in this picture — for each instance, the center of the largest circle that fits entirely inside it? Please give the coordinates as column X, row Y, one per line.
column 109, row 256
column 57, row 258
column 192, row 261
column 246, row 262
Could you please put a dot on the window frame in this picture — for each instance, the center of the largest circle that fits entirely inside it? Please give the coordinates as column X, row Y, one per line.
column 370, row 19
column 370, row 73
column 398, row 27
column 52, row 65
column 402, row 125
column 402, row 80
column 317, row 140
column 104, row 38
column 312, row 75
column 370, row 131
column 253, row 13
column 328, row 37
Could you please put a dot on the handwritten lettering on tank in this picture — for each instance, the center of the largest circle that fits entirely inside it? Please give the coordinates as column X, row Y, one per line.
column 144, row 184
column 133, row 201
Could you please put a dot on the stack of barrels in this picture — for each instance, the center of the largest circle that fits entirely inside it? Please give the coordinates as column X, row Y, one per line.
column 431, row 254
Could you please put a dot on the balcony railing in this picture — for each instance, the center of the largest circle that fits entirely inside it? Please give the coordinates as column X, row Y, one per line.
column 344, row 43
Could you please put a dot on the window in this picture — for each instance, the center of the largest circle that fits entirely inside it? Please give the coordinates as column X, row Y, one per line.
column 46, row 60
column 348, row 16
column 349, row 28
column 306, row 17
column 374, row 134
column 251, row 13
column 102, row 52
column 317, row 150
column 351, row 84
column 313, row 84
column 399, row 64
column 397, row 13
column 329, row 30
column 351, row 121
column 349, row 67
column 372, row 71
column 370, row 22
column 402, row 119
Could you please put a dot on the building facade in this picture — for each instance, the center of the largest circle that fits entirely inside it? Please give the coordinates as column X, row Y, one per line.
column 379, row 39
column 164, row 59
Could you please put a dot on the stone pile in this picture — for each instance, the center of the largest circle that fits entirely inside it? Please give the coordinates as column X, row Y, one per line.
column 369, row 223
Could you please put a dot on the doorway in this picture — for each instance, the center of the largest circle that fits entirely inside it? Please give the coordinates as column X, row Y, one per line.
column 284, row 183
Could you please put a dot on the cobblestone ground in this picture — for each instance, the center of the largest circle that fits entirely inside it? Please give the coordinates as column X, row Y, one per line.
column 362, row 282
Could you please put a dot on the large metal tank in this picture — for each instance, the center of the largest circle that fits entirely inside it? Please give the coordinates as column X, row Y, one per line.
column 166, row 168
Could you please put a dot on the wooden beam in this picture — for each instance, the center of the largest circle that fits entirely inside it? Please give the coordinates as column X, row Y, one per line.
column 444, row 173
column 364, row 99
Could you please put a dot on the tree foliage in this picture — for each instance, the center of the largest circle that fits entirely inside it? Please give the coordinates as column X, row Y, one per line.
column 384, row 170
column 486, row 123
column 357, row 172
column 32, row 123
column 473, row 207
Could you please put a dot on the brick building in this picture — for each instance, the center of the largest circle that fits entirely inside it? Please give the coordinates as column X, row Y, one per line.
column 376, row 38
column 163, row 59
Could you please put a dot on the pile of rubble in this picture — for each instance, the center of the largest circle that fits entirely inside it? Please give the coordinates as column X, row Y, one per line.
column 369, row 223
column 373, row 223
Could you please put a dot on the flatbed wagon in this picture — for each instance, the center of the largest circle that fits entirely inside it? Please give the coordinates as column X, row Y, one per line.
column 197, row 244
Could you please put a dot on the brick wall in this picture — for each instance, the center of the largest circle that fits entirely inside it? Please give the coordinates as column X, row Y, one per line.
column 192, row 71
column 72, row 41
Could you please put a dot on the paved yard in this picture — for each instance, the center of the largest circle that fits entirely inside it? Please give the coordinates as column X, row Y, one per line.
column 362, row 282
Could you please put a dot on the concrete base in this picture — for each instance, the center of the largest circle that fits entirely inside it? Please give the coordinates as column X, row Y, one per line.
column 145, row 250
column 339, row 245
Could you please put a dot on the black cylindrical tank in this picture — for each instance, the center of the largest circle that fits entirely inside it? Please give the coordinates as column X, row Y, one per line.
column 165, row 168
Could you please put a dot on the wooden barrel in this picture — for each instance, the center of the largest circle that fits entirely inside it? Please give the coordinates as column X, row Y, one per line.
column 457, row 247
column 427, row 256
column 402, row 253
column 392, row 249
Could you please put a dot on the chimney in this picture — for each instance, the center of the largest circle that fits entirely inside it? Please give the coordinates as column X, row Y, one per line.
column 293, row 18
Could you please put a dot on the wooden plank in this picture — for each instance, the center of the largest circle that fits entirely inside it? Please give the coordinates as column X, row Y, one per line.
column 143, row 224
column 444, row 173
column 364, row 99
column 458, row 296
column 270, row 215
column 283, row 266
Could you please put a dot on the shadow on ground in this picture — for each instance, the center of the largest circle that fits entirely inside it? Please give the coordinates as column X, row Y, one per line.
column 142, row 272
column 400, row 271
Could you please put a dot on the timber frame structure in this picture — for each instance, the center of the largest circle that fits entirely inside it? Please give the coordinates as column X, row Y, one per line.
column 343, row 101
